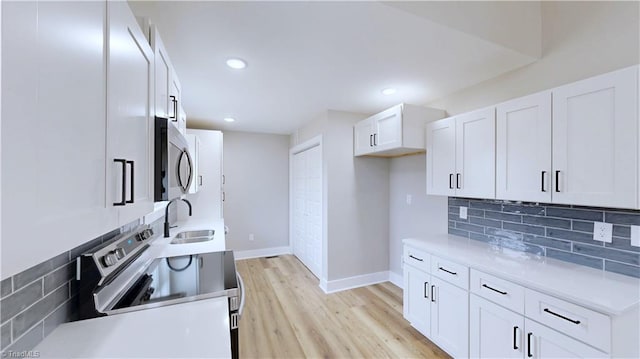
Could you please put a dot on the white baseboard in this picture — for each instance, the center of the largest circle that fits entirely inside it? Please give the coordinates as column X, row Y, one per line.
column 396, row 279
column 338, row 285
column 263, row 252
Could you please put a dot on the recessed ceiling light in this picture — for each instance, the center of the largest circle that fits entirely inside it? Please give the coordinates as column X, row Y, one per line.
column 229, row 119
column 236, row 64
column 388, row 91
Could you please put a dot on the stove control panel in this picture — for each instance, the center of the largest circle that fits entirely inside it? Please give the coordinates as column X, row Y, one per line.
column 120, row 249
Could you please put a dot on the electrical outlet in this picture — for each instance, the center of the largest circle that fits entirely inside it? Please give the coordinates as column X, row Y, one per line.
column 602, row 232
column 635, row 236
column 409, row 199
column 463, row 212
column 251, row 237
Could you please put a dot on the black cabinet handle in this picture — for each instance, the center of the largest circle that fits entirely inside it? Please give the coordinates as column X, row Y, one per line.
column 416, row 258
column 457, row 180
column 450, row 272
column 544, row 173
column 433, row 297
column 375, row 139
column 529, row 354
column 224, row 179
column 175, row 109
column 495, row 290
column 557, row 180
column 370, row 140
column 200, row 180
column 426, row 285
column 224, row 196
column 562, row 316
column 450, row 180
column 131, row 198
column 124, row 181
column 515, row 336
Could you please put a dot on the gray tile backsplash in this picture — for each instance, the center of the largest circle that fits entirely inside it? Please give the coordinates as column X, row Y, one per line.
column 34, row 302
column 558, row 231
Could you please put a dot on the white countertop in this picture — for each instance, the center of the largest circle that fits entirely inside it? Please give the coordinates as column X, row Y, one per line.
column 164, row 248
column 196, row 329
column 606, row 292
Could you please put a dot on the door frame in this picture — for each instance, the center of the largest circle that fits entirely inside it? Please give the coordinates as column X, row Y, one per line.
column 311, row 143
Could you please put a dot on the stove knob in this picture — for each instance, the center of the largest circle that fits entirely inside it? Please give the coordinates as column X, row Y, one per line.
column 120, row 253
column 109, row 259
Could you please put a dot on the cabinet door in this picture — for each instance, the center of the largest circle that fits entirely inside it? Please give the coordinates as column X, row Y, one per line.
column 416, row 299
column 129, row 99
column 388, row 129
column 441, row 157
column 207, row 202
column 476, row 154
column 544, row 342
column 162, row 70
column 595, row 141
column 523, row 149
column 494, row 332
column 363, row 137
column 194, row 150
column 175, row 97
column 450, row 318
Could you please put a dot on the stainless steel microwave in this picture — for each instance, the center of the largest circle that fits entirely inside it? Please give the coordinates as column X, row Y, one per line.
column 173, row 166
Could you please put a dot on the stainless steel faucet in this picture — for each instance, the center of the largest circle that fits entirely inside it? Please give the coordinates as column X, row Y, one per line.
column 166, row 215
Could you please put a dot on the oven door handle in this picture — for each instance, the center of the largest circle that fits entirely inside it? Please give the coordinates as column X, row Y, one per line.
column 242, row 297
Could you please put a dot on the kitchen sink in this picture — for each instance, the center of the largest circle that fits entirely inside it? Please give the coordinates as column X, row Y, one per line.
column 193, row 236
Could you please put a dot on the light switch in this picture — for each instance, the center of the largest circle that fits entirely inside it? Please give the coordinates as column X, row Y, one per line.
column 602, row 232
column 635, row 236
column 463, row 212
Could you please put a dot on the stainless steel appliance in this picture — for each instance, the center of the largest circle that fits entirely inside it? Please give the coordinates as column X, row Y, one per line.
column 173, row 166
column 124, row 276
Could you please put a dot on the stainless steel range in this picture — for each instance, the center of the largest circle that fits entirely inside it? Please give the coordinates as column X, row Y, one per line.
column 125, row 276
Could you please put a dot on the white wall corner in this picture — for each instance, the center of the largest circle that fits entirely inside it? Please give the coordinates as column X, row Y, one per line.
column 262, row 252
column 396, row 279
column 358, row 281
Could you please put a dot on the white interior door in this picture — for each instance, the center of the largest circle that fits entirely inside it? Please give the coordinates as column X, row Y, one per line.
column 307, row 208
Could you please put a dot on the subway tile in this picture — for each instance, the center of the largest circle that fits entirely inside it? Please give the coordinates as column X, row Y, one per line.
column 111, row 235
column 622, row 243
column 524, row 228
column 485, row 222
column 622, row 218
column 524, row 209
column 456, row 217
column 475, row 212
column 621, row 231
column 620, row 268
column 582, row 226
column 521, row 246
column 516, row 218
column 454, row 209
column 79, row 250
column 547, row 222
column 573, row 213
column 470, row 227
column 5, row 287
column 548, row 242
column 36, row 313
column 21, row 299
column 55, row 279
column 607, row 253
column 61, row 315
column 452, row 224
column 5, row 333
column 575, row 258
column 500, row 233
column 570, row 235
column 453, row 201
column 480, row 237
column 486, row 205
column 28, row 341
column 23, row 278
column 459, row 232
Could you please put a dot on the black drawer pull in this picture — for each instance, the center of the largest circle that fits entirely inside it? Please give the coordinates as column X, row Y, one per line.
column 542, row 181
column 515, row 336
column 457, row 181
column 450, row 272
column 450, row 180
column 426, row 285
column 529, row 354
column 557, row 180
column 562, row 316
column 495, row 290
column 416, row 258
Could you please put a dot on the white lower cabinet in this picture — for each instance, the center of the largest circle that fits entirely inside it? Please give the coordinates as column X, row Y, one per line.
column 416, row 300
column 544, row 342
column 496, row 332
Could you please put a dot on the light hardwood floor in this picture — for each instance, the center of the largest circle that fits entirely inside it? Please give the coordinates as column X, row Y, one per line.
column 287, row 315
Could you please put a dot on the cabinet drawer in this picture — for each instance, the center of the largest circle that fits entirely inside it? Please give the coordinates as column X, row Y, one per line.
column 417, row 258
column 452, row 272
column 500, row 291
column 578, row 322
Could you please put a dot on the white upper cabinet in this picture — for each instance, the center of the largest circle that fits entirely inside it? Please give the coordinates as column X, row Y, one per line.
column 207, row 202
column 523, row 148
column 167, row 88
column 53, row 130
column 461, row 155
column 129, row 104
column 595, row 141
column 396, row 131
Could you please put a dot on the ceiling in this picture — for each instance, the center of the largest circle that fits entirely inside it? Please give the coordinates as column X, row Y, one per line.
column 306, row 57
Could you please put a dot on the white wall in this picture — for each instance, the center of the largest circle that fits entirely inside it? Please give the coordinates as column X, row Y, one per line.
column 579, row 40
column 424, row 216
column 256, row 167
